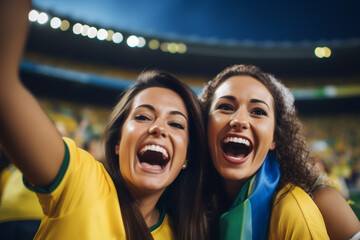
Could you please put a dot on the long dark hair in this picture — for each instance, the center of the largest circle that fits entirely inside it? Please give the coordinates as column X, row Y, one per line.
column 291, row 150
column 183, row 198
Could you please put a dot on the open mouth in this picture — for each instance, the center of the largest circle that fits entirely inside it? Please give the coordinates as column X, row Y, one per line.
column 153, row 156
column 236, row 147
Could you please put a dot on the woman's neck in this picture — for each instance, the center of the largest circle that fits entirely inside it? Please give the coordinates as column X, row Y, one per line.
column 147, row 206
column 232, row 189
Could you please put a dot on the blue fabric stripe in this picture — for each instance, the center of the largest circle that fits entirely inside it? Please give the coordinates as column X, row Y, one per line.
column 262, row 191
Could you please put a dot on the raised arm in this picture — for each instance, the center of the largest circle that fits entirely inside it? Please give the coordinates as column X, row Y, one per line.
column 27, row 135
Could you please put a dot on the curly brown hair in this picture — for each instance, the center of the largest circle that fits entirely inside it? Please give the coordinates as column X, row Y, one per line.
column 292, row 152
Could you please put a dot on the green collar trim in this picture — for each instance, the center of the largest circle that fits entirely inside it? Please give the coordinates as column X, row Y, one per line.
column 161, row 219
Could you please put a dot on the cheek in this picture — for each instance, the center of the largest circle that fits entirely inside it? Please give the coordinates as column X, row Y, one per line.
column 266, row 132
column 129, row 135
column 128, row 128
column 182, row 141
column 215, row 123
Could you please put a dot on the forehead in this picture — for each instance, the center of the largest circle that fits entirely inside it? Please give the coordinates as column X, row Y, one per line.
column 243, row 86
column 160, row 99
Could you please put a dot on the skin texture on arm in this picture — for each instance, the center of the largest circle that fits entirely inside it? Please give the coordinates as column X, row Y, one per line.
column 27, row 135
column 340, row 220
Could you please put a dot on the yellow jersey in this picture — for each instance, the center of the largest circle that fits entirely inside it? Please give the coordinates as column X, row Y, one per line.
column 83, row 203
column 296, row 216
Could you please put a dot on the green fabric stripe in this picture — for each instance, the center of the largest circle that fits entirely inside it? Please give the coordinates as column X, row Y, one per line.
column 59, row 177
column 161, row 219
column 250, row 189
column 243, row 220
column 236, row 216
column 247, row 224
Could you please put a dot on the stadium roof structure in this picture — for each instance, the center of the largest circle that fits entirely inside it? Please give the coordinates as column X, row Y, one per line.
column 304, row 40
column 203, row 37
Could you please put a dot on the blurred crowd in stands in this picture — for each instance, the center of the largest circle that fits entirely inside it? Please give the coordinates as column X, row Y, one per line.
column 334, row 142
column 83, row 124
column 333, row 139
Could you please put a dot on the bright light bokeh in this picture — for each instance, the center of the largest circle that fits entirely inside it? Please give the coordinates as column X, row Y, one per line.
column 142, row 42
column 132, row 41
column 154, row 44
column 117, row 37
column 77, row 28
column 322, row 52
column 85, row 30
column 55, row 22
column 92, row 32
column 327, row 52
column 164, row 47
column 43, row 18
column 110, row 34
column 182, row 48
column 102, row 34
column 33, row 15
column 172, row 47
column 65, row 25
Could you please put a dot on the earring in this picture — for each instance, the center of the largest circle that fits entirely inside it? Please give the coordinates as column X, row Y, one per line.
column 184, row 166
column 116, row 149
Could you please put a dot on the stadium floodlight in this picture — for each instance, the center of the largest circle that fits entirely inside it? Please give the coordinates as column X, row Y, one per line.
column 117, row 37
column 132, row 41
column 33, row 15
column 55, row 22
column 43, row 18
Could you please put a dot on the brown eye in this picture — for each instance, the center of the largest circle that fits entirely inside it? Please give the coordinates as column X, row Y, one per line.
column 177, row 125
column 225, row 106
column 259, row 111
column 142, row 118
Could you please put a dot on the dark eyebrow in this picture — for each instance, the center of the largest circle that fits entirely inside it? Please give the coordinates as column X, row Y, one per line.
column 178, row 113
column 153, row 109
column 146, row 106
column 229, row 97
column 254, row 100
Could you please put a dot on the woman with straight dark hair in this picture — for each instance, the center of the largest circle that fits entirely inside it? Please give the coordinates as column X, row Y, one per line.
column 151, row 185
column 186, row 212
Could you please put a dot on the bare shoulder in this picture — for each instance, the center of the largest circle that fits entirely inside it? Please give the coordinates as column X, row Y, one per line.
column 341, row 221
column 321, row 193
column 327, row 198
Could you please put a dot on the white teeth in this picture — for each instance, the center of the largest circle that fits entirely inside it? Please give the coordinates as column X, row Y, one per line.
column 237, row 140
column 155, row 148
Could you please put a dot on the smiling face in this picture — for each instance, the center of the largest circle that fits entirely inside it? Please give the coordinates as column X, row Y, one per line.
column 154, row 140
column 240, row 127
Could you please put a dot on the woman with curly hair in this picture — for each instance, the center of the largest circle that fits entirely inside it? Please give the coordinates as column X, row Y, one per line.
column 154, row 155
column 260, row 157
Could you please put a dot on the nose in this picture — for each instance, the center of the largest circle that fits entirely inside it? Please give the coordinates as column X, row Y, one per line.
column 158, row 129
column 239, row 121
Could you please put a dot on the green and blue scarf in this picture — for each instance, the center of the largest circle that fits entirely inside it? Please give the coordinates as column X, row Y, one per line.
column 249, row 216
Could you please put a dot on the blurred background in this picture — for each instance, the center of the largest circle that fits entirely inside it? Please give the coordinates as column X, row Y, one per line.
column 81, row 55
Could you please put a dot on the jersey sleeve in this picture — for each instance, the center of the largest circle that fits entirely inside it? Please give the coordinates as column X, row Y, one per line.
column 296, row 216
column 80, row 181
